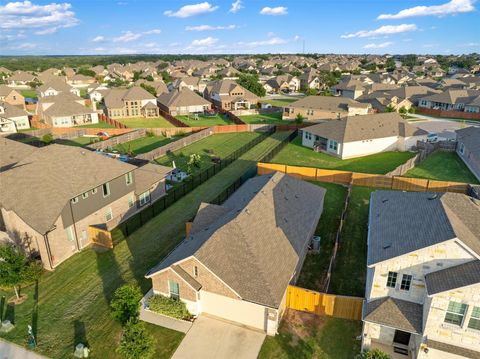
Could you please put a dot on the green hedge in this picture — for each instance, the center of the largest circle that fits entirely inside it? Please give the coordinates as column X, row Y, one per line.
column 168, row 306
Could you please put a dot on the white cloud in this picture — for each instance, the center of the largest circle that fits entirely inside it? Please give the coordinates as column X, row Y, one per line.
column 209, row 28
column 192, row 10
column 152, row 32
column 47, row 31
column 279, row 10
column 382, row 31
column 378, row 46
column 472, row 44
column 25, row 14
column 128, row 36
column 98, row 39
column 449, row 8
column 236, row 6
column 296, row 38
column 24, row 46
column 208, row 41
column 269, row 42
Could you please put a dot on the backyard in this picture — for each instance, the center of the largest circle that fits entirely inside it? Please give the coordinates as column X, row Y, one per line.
column 280, row 102
column 305, row 335
column 205, row 121
column 443, row 166
column 144, row 144
column 100, row 124
column 267, row 119
column 217, row 145
column 142, row 122
column 294, row 154
column 78, row 142
column 70, row 304
column 29, row 93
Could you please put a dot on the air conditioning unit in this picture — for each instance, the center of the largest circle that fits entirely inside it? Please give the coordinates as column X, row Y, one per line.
column 314, row 246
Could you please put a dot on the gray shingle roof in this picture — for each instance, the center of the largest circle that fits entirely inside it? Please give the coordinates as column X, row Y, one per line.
column 453, row 349
column 455, row 277
column 186, row 277
column 327, row 103
column 402, row 222
column 148, row 175
column 181, row 98
column 255, row 246
column 394, row 313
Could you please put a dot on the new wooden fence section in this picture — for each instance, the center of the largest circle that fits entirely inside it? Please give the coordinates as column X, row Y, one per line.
column 364, row 179
column 337, row 306
column 100, row 236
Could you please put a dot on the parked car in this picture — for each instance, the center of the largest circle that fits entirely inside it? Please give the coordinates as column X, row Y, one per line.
column 432, row 137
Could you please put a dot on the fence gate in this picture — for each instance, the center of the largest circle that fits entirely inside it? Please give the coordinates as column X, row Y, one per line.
column 100, row 236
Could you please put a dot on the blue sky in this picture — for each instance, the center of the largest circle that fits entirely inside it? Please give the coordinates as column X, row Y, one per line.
column 86, row 27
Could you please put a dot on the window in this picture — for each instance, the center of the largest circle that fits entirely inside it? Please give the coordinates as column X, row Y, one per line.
column 70, row 234
column 406, row 282
column 308, row 135
column 85, row 195
column 106, row 189
column 131, row 201
column 108, row 214
column 392, row 279
column 84, row 235
column 174, row 289
column 75, row 200
column 462, row 148
column 94, row 191
column 455, row 313
column 128, row 178
column 144, row 198
column 195, row 271
column 333, row 145
column 474, row 322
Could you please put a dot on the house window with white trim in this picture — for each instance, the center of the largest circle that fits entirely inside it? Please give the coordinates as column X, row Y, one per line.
column 308, row 135
column 108, row 214
column 131, row 201
column 455, row 313
column 128, row 178
column 333, row 145
column 106, row 189
column 392, row 279
column 75, row 200
column 70, row 234
column 462, row 148
column 144, row 198
column 174, row 289
column 406, row 282
column 94, row 191
column 85, row 195
column 195, row 271
column 474, row 322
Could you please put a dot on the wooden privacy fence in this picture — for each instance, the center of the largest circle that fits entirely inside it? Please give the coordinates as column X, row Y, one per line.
column 365, row 179
column 337, row 306
column 100, row 236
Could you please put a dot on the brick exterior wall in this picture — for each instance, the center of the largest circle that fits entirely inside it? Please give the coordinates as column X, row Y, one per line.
column 160, row 285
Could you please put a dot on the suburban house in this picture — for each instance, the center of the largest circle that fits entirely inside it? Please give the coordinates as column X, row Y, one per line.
column 468, row 148
column 351, row 88
column 132, row 102
column 7, row 126
column 283, row 83
column 55, row 87
column 21, row 79
column 453, row 100
column 51, row 196
column 65, row 110
column 314, row 108
column 11, row 96
column 16, row 115
column 239, row 257
column 310, row 80
column 230, row 96
column 423, row 275
column 182, row 102
column 190, row 82
column 357, row 136
column 79, row 80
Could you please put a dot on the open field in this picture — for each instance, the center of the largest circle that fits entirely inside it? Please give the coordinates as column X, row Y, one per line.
column 71, row 303
column 205, row 121
column 305, row 335
column 316, row 265
column 443, row 166
column 295, row 154
column 268, row 119
column 142, row 122
column 217, row 145
column 144, row 144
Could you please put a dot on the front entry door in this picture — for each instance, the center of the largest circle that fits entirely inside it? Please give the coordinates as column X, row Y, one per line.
column 400, row 342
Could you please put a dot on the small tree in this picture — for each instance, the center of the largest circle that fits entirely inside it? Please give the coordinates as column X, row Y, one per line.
column 299, row 119
column 126, row 303
column 412, row 110
column 389, row 108
column 310, row 92
column 16, row 268
column 373, row 354
column 136, row 343
column 194, row 161
column 403, row 110
column 47, row 138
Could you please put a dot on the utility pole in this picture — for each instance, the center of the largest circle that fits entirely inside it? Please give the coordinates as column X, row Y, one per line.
column 303, row 48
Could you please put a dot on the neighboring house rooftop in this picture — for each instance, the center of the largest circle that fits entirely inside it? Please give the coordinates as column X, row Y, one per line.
column 328, row 103
column 403, row 222
column 470, row 137
column 453, row 97
column 115, row 97
column 451, row 278
column 253, row 242
column 182, row 98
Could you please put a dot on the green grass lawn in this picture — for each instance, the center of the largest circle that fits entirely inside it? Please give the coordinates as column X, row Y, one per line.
column 217, row 120
column 142, row 122
column 315, row 266
column 28, row 129
column 144, row 144
column 78, row 142
column 295, row 154
column 280, row 102
column 219, row 145
column 306, row 336
column 348, row 277
column 73, row 300
column 270, row 119
column 100, row 124
column 29, row 93
column 443, row 166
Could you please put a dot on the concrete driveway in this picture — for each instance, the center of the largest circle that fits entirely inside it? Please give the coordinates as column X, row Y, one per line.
column 210, row 338
column 444, row 128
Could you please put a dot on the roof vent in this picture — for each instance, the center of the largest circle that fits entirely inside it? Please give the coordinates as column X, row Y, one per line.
column 385, row 200
column 432, row 197
column 386, row 246
column 247, row 211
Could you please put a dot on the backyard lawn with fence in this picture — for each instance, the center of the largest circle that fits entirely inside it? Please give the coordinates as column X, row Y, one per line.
column 100, row 124
column 144, row 144
column 443, row 166
column 205, row 121
column 294, row 154
column 280, row 102
column 142, row 122
column 217, row 145
column 31, row 93
column 267, row 119
column 78, row 142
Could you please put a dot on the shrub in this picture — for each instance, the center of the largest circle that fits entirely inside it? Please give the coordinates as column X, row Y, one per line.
column 150, row 134
column 168, row 306
column 136, row 343
column 47, row 138
column 373, row 354
column 299, row 119
column 125, row 303
column 402, row 110
column 412, row 110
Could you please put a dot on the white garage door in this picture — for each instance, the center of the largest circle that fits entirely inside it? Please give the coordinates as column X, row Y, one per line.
column 242, row 312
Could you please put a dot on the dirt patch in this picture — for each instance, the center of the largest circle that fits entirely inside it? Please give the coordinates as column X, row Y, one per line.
column 16, row 301
column 301, row 324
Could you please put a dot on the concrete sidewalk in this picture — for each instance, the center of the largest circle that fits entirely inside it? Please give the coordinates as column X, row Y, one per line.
column 10, row 350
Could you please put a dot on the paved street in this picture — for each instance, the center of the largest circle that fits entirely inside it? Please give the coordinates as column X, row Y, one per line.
column 444, row 128
column 10, row 350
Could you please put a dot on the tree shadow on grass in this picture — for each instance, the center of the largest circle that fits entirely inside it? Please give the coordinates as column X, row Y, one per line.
column 34, row 323
column 80, row 333
column 109, row 271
